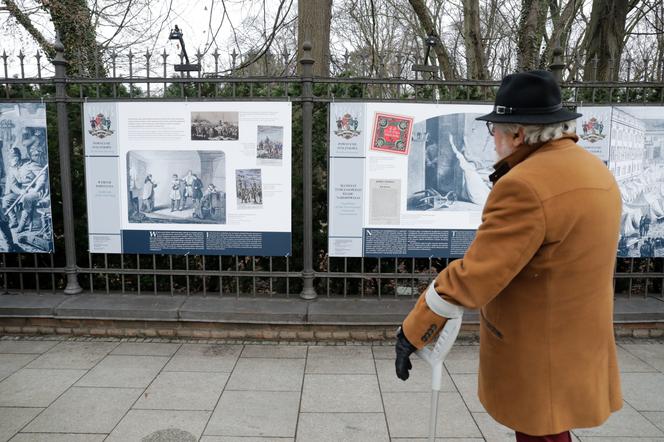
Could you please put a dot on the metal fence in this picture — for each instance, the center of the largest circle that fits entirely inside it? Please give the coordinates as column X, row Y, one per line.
column 310, row 272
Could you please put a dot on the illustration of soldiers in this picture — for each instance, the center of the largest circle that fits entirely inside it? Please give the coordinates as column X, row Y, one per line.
column 29, row 186
column 12, row 186
column 176, row 193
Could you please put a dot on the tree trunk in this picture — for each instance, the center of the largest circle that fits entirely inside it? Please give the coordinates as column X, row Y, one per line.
column 314, row 18
column 531, row 31
column 71, row 18
column 444, row 61
column 604, row 39
column 475, row 60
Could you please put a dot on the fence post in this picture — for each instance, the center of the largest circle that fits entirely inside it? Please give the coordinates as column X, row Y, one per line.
column 308, row 291
column 557, row 64
column 60, row 64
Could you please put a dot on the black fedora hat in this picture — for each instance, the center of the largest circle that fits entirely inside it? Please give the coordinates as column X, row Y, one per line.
column 531, row 97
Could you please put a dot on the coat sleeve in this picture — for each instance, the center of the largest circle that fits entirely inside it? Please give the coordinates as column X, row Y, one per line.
column 512, row 230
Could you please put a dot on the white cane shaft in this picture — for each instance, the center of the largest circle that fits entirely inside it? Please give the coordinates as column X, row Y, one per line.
column 433, row 417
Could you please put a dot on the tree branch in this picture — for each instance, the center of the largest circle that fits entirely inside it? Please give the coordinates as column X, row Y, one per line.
column 25, row 21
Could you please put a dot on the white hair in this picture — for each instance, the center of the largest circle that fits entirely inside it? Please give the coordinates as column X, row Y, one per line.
column 540, row 133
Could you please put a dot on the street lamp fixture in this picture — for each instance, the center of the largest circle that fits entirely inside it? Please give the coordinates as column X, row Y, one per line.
column 176, row 34
column 430, row 41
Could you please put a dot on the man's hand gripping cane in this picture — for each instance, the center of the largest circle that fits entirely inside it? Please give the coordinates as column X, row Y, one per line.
column 445, row 326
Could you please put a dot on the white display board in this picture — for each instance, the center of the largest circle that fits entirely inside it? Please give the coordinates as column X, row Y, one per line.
column 407, row 180
column 192, row 177
column 630, row 141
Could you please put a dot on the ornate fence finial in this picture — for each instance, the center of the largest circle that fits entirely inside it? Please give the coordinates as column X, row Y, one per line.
column 557, row 65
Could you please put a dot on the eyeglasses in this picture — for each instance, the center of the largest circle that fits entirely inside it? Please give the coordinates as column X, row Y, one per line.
column 491, row 127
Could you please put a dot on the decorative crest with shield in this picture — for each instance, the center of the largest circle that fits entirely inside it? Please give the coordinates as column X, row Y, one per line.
column 100, row 126
column 347, row 126
column 592, row 130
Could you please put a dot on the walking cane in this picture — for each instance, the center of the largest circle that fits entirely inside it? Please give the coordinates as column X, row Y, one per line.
column 435, row 355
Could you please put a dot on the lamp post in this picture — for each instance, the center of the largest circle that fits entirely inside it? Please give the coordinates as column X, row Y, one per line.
column 176, row 34
column 430, row 41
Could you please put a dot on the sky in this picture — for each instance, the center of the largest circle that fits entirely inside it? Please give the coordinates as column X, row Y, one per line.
column 193, row 17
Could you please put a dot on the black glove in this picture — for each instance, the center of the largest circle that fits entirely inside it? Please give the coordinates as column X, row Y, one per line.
column 403, row 349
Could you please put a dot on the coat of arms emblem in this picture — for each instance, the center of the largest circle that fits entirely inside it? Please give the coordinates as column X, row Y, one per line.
column 347, row 126
column 592, row 130
column 100, row 126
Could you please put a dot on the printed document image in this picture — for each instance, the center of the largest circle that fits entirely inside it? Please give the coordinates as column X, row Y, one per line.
column 181, row 187
column 25, row 222
column 449, row 164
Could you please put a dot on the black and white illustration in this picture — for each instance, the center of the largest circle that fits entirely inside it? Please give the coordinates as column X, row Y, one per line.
column 270, row 142
column 26, row 220
column 636, row 159
column 177, row 187
column 249, row 188
column 215, row 126
column 449, row 164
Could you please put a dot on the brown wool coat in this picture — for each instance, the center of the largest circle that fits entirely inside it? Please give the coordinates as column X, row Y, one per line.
column 541, row 272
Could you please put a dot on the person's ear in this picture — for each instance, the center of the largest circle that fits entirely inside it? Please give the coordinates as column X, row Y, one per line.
column 519, row 137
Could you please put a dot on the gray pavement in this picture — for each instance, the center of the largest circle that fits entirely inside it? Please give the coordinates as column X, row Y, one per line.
column 91, row 389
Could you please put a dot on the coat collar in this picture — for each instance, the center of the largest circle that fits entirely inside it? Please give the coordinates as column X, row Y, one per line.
column 522, row 152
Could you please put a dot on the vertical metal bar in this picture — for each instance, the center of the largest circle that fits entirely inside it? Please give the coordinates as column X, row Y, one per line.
column 36, row 274
column 53, row 288
column 147, row 70
column 154, row 273
column 92, row 288
column 204, row 277
column 106, row 269
column 4, row 62
column 396, row 277
column 631, row 279
column 114, row 56
column 345, row 278
column 97, row 75
column 215, row 54
column 60, row 63
column 253, row 272
column 4, row 266
column 138, row 272
column 186, row 263
column 379, row 279
column 221, row 278
column 271, row 290
column 362, row 277
column 20, row 274
column 288, row 277
column 39, row 67
column 164, row 55
column 170, row 266
column 412, row 276
column 130, row 56
column 122, row 275
column 308, row 291
column 237, row 277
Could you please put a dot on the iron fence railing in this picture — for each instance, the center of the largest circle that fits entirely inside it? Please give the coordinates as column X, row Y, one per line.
column 310, row 272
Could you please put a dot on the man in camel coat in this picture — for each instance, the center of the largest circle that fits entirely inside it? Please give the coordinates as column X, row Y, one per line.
column 540, row 270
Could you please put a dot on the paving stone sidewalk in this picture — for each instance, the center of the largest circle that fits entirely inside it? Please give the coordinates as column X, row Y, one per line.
column 85, row 389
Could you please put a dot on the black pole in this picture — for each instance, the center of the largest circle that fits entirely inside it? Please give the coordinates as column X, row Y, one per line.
column 308, row 291
column 60, row 64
